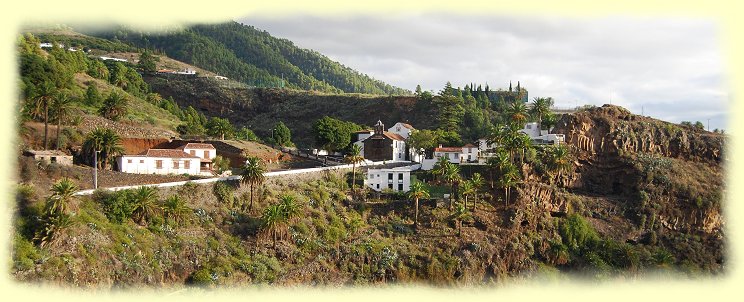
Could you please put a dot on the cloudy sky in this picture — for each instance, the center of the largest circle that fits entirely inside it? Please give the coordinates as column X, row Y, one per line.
column 670, row 69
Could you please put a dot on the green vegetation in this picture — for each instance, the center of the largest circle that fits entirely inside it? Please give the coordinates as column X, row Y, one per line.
column 334, row 135
column 254, row 57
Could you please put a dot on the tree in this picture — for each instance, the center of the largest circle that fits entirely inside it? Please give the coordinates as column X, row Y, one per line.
column 461, row 213
column 175, row 208
column 62, row 108
column 699, row 125
column 282, row 135
column 42, row 101
column 252, row 174
column 92, row 96
column 246, row 134
column 353, row 158
column 418, row 190
column 63, row 192
column 274, row 222
column 423, row 140
column 466, row 189
column 451, row 175
column 477, row 181
column 517, row 113
column 147, row 62
column 290, row 207
column 104, row 140
column 220, row 127
column 559, row 160
column 221, row 164
column 540, row 108
column 509, row 178
column 497, row 163
column 114, row 107
column 333, row 134
column 440, row 167
column 145, row 205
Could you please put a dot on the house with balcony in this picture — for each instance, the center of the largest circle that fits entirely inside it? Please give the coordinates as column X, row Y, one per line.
column 394, row 179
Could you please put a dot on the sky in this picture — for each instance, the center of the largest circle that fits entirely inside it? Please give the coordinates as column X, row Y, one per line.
column 667, row 68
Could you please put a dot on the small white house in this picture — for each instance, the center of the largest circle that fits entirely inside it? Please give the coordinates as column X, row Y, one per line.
column 395, row 179
column 469, row 154
column 160, row 161
column 205, row 152
column 541, row 137
column 450, row 153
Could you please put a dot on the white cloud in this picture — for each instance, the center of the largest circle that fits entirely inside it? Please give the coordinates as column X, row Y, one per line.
column 671, row 67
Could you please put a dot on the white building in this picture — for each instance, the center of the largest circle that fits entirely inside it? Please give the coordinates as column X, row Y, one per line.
column 395, row 179
column 160, row 161
column 112, row 59
column 469, row 154
column 190, row 158
column 402, row 129
column 542, row 137
column 206, row 153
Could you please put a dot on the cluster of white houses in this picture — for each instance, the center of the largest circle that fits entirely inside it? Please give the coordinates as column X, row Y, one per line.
column 390, row 145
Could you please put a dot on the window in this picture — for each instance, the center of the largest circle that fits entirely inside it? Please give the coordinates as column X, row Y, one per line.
column 175, row 164
column 378, row 186
column 390, row 178
column 206, row 154
column 129, row 161
column 142, row 161
column 187, row 164
column 529, row 126
column 193, row 152
column 400, row 187
column 159, row 164
column 390, row 186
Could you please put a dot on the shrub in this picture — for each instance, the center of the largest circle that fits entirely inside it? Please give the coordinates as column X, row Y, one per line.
column 118, row 206
column 223, row 192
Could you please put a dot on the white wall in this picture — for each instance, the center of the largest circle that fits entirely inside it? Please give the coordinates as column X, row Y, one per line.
column 200, row 152
column 378, row 179
column 453, row 157
column 147, row 165
column 399, row 129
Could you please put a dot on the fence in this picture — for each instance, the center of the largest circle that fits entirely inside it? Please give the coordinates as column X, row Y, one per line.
column 234, row 177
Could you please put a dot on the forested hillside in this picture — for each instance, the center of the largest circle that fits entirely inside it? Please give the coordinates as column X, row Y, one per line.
column 254, row 57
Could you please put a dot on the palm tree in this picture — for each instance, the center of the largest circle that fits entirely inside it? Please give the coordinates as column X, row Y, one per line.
column 274, row 222
column 523, row 143
column 477, row 181
column 540, row 108
column 509, row 178
column 466, row 189
column 42, row 101
column 104, row 140
column 517, row 112
column 114, row 107
column 62, row 193
column 53, row 225
column 559, row 160
column 452, row 176
column 418, row 190
column 497, row 162
column 62, row 108
column 461, row 213
column 439, row 167
column 175, row 208
column 354, row 158
column 290, row 207
column 145, row 203
column 253, row 174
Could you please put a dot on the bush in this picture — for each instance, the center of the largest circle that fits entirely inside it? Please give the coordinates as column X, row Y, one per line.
column 223, row 192
column 118, row 206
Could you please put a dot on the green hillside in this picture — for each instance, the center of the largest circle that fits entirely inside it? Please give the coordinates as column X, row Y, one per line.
column 254, row 57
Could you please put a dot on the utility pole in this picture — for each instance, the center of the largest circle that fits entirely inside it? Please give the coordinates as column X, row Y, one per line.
column 95, row 169
column 708, row 125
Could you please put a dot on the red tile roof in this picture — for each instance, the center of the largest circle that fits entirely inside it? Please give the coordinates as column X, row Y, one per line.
column 448, row 149
column 393, row 136
column 172, row 153
column 469, row 146
column 196, row 146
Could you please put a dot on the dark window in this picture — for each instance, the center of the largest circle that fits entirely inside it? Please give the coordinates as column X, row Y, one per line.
column 187, row 164
column 390, row 186
column 129, row 161
column 158, row 164
column 206, row 154
column 175, row 164
column 400, row 187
